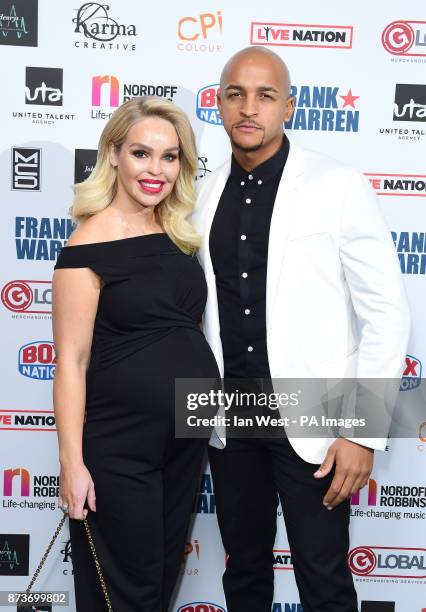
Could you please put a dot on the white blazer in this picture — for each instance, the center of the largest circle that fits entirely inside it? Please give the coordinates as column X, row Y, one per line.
column 335, row 301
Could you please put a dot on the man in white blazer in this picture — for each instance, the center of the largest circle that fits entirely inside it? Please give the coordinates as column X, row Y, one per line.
column 303, row 282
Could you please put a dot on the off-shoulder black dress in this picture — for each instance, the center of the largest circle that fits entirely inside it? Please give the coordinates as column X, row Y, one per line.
column 146, row 334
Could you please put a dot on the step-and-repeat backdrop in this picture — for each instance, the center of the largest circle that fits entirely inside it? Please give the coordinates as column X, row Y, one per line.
column 359, row 78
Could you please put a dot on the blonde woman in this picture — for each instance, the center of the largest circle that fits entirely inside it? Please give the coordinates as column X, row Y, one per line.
column 128, row 295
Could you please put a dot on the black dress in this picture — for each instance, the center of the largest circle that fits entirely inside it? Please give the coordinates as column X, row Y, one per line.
column 146, row 333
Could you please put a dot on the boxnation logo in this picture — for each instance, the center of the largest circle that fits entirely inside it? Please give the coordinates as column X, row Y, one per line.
column 301, row 35
column 397, row 184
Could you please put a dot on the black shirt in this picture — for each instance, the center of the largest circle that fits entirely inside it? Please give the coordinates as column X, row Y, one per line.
column 239, row 251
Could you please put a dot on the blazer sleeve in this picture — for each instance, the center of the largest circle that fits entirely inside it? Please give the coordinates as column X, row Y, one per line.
column 373, row 274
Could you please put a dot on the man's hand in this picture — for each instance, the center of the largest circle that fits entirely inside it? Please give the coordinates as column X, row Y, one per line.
column 353, row 468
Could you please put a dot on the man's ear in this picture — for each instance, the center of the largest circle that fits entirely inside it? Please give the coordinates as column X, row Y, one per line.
column 219, row 101
column 289, row 108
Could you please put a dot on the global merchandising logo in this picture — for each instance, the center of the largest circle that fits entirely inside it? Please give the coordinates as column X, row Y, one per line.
column 377, row 606
column 201, row 606
column 26, row 169
column 388, row 562
column 325, row 109
column 84, row 162
column 389, row 501
column 106, row 93
column 200, row 33
column 205, row 501
column 405, row 38
column 282, row 559
column 412, row 374
column 37, row 360
column 411, row 249
column 14, row 554
column 398, row 184
column 409, row 107
column 19, row 23
column 27, row 420
column 95, row 28
column 20, row 491
column 206, row 104
column 43, row 87
column 28, row 299
column 301, row 35
column 42, row 238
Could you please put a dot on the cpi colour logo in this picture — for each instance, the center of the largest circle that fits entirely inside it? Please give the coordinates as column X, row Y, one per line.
column 405, row 38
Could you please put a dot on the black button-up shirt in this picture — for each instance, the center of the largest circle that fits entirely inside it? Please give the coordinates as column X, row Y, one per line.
column 239, row 251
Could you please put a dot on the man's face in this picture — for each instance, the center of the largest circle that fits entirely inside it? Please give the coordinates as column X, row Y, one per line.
column 254, row 102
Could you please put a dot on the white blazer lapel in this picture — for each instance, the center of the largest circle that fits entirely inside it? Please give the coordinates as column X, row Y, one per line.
column 280, row 225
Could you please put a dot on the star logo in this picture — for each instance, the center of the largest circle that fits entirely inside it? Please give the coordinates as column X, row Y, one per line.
column 349, row 99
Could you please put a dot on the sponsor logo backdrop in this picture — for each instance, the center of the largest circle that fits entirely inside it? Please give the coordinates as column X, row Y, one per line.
column 359, row 81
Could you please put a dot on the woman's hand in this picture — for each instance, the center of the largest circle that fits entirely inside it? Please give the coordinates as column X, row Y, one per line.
column 76, row 486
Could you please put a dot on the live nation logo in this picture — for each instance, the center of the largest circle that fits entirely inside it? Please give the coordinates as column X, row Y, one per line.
column 405, row 38
column 26, row 169
column 398, row 184
column 97, row 29
column 301, row 35
column 19, row 23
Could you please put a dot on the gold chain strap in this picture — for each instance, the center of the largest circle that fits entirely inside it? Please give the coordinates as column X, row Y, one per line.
column 95, row 557
column 98, row 566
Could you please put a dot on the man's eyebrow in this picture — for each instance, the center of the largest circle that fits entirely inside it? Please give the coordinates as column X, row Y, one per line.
column 261, row 88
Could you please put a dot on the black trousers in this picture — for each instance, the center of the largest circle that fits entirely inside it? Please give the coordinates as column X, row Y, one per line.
column 139, row 530
column 248, row 476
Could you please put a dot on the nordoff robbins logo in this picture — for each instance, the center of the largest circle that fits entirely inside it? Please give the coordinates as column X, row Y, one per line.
column 388, row 562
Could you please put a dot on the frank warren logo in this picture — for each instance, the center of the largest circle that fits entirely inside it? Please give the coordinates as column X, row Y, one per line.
column 41, row 238
column 27, row 420
column 14, row 554
column 19, row 23
column 398, row 184
column 37, row 360
column 26, row 169
column 388, row 562
column 301, row 35
column 201, row 606
column 411, row 249
column 410, row 103
column 205, row 501
column 286, row 607
column 27, row 297
column 405, row 38
column 43, row 86
column 328, row 109
column 97, row 29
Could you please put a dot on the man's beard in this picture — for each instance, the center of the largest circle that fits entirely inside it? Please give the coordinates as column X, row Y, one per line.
column 248, row 149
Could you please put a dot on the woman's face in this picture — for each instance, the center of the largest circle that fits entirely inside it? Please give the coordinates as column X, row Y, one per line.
column 148, row 162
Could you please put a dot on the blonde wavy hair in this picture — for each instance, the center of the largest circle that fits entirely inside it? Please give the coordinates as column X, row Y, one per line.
column 99, row 189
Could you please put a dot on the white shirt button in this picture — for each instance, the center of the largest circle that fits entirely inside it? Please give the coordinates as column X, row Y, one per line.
column 250, row 349
column 243, row 237
column 259, row 182
column 250, row 177
column 248, row 201
column 247, row 311
column 244, row 274
column 242, row 183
